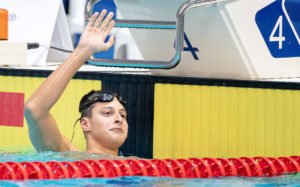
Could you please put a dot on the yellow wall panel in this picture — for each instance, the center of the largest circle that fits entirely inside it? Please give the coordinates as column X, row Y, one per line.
column 211, row 121
column 65, row 110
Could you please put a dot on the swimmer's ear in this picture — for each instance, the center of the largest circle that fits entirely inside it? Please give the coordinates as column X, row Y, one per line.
column 85, row 125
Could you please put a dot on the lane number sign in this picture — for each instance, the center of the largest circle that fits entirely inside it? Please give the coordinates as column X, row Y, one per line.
column 279, row 24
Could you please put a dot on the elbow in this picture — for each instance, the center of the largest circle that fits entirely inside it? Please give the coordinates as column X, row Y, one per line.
column 29, row 107
column 31, row 110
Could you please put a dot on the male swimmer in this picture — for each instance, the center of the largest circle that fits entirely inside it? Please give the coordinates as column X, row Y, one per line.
column 103, row 116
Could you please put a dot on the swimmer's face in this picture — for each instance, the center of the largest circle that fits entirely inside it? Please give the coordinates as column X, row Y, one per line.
column 108, row 124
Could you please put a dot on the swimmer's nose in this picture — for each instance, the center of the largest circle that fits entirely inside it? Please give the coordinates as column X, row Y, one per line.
column 118, row 119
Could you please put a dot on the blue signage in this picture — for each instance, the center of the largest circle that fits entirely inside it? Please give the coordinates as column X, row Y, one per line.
column 279, row 24
column 190, row 48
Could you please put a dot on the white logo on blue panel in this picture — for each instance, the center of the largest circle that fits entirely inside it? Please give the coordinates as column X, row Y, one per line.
column 279, row 24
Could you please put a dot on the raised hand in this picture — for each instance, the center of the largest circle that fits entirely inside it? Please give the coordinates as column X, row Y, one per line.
column 93, row 37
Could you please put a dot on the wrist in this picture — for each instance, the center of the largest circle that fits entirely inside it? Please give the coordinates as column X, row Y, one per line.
column 84, row 54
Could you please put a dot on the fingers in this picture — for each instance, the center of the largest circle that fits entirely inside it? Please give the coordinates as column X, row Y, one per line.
column 99, row 29
column 106, row 21
column 109, row 27
column 92, row 19
column 100, row 18
column 103, row 26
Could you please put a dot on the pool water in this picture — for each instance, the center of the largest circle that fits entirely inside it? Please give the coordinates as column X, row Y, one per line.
column 29, row 155
column 288, row 180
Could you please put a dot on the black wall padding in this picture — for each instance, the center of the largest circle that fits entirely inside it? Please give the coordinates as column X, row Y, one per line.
column 140, row 102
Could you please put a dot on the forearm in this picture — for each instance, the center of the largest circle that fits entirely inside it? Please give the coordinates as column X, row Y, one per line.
column 51, row 89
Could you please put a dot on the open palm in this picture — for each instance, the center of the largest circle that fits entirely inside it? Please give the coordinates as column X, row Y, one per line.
column 93, row 37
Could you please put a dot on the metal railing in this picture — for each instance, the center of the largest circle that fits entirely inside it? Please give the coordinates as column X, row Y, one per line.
column 178, row 25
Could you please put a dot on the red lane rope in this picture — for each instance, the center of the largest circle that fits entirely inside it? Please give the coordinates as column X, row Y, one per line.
column 242, row 167
column 20, row 171
column 86, row 170
column 254, row 166
column 203, row 167
column 46, row 170
column 134, row 168
column 124, row 167
column 59, row 169
column 151, row 168
column 100, row 169
column 138, row 167
column 72, row 169
column 34, row 172
column 178, row 168
column 7, row 172
column 228, row 167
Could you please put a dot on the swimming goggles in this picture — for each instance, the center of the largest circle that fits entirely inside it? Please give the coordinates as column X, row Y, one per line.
column 100, row 97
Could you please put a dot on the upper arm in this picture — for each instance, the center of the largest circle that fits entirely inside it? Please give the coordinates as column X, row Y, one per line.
column 72, row 146
column 44, row 133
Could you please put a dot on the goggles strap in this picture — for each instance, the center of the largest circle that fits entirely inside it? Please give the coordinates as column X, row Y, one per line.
column 74, row 128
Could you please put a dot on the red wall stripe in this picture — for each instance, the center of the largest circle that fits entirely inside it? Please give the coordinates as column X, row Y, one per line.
column 11, row 109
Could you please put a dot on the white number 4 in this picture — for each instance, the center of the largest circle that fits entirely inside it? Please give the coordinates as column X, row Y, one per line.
column 279, row 38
